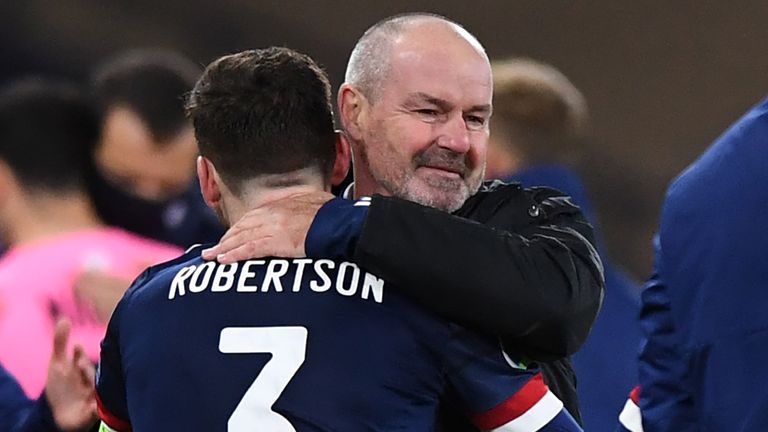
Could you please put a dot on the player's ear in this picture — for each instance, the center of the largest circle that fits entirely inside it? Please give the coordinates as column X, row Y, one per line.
column 352, row 110
column 343, row 159
column 209, row 185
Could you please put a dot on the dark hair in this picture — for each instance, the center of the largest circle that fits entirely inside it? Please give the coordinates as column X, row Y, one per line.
column 47, row 130
column 151, row 83
column 264, row 111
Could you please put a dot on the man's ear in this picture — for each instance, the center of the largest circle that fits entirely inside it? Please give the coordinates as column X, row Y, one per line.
column 209, row 183
column 352, row 110
column 343, row 158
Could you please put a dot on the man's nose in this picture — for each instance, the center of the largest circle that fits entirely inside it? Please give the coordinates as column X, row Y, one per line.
column 454, row 135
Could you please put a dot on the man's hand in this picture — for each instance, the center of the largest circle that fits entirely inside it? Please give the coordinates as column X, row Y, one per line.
column 278, row 228
column 70, row 387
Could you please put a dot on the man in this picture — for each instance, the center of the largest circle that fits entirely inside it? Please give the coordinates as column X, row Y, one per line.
column 703, row 310
column 143, row 180
column 68, row 402
column 539, row 124
column 52, row 230
column 415, row 108
column 347, row 354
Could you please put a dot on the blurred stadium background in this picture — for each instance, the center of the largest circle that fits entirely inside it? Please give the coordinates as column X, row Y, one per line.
column 662, row 79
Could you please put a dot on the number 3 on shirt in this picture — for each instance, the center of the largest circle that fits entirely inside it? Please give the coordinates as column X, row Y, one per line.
column 288, row 346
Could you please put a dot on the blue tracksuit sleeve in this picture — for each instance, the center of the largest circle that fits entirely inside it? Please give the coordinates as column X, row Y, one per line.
column 501, row 393
column 38, row 418
column 665, row 400
column 20, row 414
column 336, row 228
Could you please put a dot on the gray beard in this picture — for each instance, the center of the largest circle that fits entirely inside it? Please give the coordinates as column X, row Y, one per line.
column 399, row 187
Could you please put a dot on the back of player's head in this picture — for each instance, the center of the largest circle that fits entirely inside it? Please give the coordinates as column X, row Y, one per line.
column 368, row 64
column 540, row 108
column 47, row 130
column 261, row 112
column 152, row 84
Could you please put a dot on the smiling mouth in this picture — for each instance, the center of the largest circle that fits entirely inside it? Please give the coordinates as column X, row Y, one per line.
column 446, row 171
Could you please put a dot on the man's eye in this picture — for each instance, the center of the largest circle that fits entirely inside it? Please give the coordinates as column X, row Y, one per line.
column 427, row 112
column 474, row 122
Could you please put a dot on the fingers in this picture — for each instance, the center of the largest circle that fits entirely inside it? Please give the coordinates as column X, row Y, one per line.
column 231, row 241
column 235, row 235
column 84, row 366
column 60, row 339
column 280, row 226
column 246, row 250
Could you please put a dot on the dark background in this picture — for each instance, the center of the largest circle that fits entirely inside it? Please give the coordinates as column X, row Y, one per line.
column 662, row 78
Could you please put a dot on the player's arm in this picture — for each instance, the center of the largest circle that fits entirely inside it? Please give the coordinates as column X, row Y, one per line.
column 110, row 385
column 532, row 408
column 666, row 402
column 499, row 393
column 512, row 262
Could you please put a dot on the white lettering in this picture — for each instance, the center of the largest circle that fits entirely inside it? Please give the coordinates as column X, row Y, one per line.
column 177, row 286
column 300, row 263
column 273, row 276
column 245, row 274
column 371, row 282
column 326, row 285
column 197, row 285
column 346, row 277
column 224, row 277
column 352, row 288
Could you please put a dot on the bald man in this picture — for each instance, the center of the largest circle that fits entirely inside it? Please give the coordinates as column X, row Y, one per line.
column 415, row 108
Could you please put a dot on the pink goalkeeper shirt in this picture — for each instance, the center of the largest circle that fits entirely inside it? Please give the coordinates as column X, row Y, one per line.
column 36, row 288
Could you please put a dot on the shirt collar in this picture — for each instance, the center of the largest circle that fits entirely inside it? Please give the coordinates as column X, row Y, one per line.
column 349, row 192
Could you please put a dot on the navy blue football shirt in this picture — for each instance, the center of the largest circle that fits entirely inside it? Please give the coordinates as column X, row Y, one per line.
column 300, row 345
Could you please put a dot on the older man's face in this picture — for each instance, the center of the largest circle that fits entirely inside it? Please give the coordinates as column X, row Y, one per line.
column 427, row 131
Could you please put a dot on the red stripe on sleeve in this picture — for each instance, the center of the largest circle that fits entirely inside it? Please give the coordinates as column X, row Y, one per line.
column 635, row 395
column 515, row 406
column 110, row 419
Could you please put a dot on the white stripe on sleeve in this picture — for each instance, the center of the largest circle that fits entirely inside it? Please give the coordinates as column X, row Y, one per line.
column 547, row 408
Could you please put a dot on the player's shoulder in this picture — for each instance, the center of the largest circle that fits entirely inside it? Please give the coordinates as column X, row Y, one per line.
column 516, row 202
column 160, row 275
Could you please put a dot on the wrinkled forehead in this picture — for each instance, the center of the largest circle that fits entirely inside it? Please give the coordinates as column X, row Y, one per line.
column 450, row 72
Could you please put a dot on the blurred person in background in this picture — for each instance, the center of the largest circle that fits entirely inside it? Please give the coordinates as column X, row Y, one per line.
column 415, row 109
column 537, row 130
column 53, row 233
column 703, row 364
column 68, row 403
column 144, row 174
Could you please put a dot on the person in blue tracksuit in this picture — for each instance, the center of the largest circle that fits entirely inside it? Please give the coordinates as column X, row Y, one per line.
column 703, row 312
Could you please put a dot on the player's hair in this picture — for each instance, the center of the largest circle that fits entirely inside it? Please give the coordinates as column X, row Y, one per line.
column 368, row 64
column 150, row 82
column 265, row 111
column 47, row 130
column 545, row 114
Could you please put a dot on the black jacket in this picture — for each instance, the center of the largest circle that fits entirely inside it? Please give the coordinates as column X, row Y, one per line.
column 514, row 262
